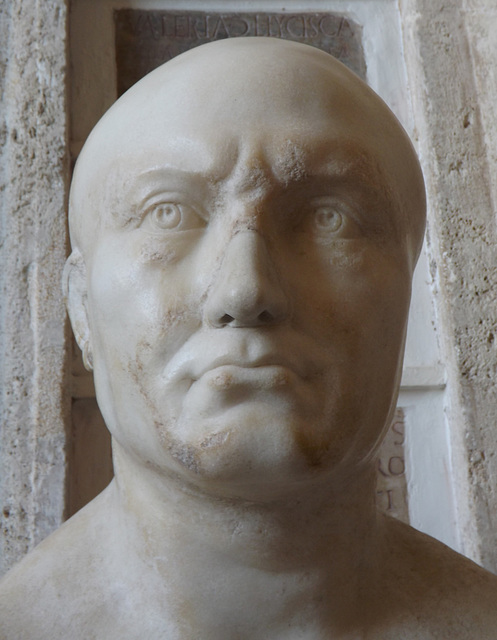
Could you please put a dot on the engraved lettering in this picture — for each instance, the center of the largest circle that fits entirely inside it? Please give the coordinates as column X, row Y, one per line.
column 181, row 27
column 147, row 38
column 198, row 26
column 276, row 21
column 149, row 25
column 166, row 27
column 295, row 26
column 389, row 506
column 238, row 27
column 140, row 21
column 220, row 30
column 390, row 499
column 210, row 21
column 396, row 466
column 398, row 427
column 327, row 26
column 381, row 470
column 391, row 478
column 261, row 24
column 312, row 27
column 345, row 29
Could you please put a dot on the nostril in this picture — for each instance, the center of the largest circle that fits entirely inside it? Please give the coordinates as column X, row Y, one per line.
column 265, row 316
column 246, row 289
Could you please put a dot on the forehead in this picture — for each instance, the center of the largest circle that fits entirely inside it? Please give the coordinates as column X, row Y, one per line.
column 250, row 115
column 215, row 138
column 238, row 94
column 247, row 157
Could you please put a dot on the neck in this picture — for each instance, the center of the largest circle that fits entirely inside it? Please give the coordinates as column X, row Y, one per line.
column 316, row 541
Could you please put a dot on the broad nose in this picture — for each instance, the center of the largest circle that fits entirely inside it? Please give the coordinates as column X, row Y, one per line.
column 246, row 291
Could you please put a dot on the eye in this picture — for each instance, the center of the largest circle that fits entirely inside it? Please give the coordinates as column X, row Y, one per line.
column 327, row 219
column 167, row 215
column 332, row 218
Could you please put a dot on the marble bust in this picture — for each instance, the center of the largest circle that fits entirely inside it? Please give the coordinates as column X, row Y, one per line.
column 245, row 222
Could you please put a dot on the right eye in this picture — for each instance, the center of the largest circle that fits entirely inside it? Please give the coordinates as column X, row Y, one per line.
column 165, row 215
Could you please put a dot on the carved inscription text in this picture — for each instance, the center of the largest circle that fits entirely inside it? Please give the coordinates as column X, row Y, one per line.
column 146, row 39
column 391, row 485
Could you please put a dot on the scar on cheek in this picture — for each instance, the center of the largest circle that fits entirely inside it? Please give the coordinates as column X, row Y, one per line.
column 176, row 316
column 153, row 252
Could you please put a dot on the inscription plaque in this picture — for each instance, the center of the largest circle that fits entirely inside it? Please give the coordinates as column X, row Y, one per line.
column 145, row 39
column 391, row 484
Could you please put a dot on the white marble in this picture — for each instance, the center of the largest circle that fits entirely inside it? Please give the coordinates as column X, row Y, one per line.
column 245, row 222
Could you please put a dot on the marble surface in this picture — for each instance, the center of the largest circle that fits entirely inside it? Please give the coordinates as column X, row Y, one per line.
column 245, row 222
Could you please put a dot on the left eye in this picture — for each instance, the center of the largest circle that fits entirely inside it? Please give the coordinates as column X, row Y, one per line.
column 332, row 218
column 327, row 219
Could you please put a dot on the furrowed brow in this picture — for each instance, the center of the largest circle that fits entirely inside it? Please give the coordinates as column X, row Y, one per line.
column 128, row 206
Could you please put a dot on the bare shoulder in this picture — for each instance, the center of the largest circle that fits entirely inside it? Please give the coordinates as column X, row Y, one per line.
column 434, row 592
column 40, row 594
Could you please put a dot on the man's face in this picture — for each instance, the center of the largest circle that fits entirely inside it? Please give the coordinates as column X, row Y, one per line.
column 247, row 295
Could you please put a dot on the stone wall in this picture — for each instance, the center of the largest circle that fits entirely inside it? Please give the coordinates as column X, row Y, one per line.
column 453, row 102
column 33, row 240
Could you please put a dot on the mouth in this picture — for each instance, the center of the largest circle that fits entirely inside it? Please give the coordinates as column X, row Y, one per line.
column 229, row 365
column 265, row 376
column 247, row 358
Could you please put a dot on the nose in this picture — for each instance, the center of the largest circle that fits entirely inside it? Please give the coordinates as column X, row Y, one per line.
column 246, row 291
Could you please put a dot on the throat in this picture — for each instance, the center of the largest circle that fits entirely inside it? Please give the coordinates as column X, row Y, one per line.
column 252, row 565
column 315, row 524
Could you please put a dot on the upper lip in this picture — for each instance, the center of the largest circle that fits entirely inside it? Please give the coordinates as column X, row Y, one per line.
column 202, row 354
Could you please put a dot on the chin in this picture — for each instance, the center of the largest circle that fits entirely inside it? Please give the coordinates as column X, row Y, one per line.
column 247, row 455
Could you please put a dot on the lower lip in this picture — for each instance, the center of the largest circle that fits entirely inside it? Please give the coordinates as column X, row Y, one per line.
column 265, row 377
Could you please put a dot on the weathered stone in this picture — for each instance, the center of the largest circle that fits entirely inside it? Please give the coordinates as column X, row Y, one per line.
column 34, row 398
column 462, row 241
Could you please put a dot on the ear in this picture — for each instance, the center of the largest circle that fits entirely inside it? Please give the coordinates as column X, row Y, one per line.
column 75, row 294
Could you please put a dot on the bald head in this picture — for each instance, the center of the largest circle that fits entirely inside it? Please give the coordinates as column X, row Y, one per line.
column 281, row 98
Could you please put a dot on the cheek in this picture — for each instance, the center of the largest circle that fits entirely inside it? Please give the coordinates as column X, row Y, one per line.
column 360, row 291
column 161, row 251
column 136, row 308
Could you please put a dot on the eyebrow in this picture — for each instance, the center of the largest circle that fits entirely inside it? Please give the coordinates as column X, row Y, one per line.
column 153, row 182
column 165, row 176
column 341, row 163
column 363, row 170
